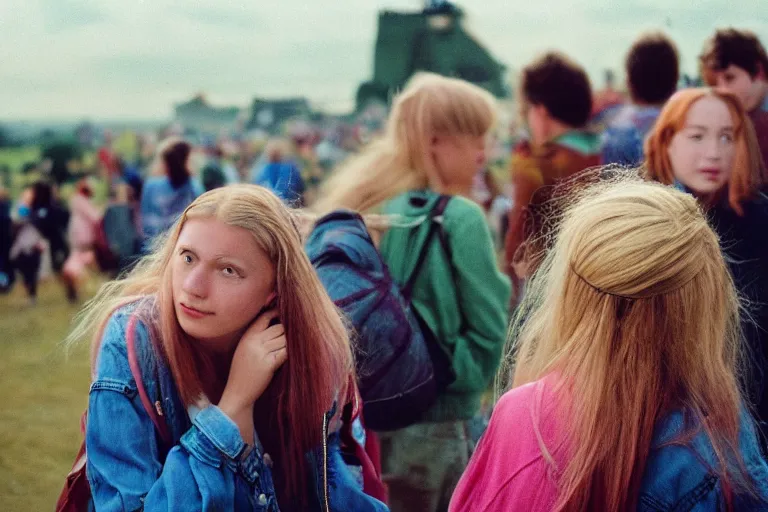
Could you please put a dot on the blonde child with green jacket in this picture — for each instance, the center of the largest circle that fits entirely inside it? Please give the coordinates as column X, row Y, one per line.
column 434, row 145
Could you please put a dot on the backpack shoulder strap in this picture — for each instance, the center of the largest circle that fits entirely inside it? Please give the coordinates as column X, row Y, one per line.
column 133, row 361
column 435, row 219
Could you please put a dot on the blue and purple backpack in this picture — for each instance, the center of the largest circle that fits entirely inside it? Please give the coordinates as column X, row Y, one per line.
column 401, row 367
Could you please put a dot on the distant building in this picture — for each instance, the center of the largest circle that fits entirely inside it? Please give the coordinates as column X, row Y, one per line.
column 85, row 133
column 199, row 116
column 435, row 40
column 270, row 115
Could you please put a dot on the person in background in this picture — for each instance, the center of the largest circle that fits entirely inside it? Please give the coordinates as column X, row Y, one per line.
column 280, row 174
column 606, row 102
column 652, row 68
column 83, row 227
column 626, row 351
column 434, row 145
column 485, row 188
column 26, row 251
column 7, row 273
column 212, row 175
column 130, row 175
column 214, row 158
column 166, row 194
column 556, row 99
column 121, row 230
column 737, row 61
column 704, row 143
column 51, row 218
column 109, row 162
column 312, row 171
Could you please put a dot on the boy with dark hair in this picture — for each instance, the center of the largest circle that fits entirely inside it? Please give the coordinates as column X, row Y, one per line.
column 556, row 98
column 652, row 67
column 736, row 61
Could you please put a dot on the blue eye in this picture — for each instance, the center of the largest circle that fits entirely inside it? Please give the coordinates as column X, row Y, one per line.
column 726, row 138
column 697, row 137
column 186, row 258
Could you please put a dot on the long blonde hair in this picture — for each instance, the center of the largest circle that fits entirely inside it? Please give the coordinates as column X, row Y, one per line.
column 635, row 312
column 289, row 418
column 430, row 105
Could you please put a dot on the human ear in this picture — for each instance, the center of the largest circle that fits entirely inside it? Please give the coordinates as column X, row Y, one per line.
column 761, row 73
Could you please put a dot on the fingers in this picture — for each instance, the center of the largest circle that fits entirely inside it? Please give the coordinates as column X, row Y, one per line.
column 273, row 332
column 279, row 357
column 275, row 344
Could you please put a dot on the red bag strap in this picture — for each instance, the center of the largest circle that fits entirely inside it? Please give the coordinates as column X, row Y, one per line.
column 154, row 411
column 372, row 484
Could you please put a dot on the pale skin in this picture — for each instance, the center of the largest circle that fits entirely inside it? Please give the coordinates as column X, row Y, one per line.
column 261, row 351
column 703, row 151
column 221, row 281
column 543, row 127
column 457, row 160
column 751, row 90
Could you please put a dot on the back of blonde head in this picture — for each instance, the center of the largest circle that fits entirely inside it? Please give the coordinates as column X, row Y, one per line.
column 635, row 312
column 430, row 105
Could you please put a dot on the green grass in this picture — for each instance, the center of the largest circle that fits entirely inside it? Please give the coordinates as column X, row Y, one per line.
column 14, row 159
column 43, row 392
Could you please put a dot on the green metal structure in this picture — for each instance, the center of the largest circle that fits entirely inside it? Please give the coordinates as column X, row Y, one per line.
column 429, row 40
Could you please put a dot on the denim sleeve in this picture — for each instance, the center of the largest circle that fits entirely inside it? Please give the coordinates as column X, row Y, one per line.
column 124, row 465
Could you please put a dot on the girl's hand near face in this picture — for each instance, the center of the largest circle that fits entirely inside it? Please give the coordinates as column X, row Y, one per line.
column 260, row 353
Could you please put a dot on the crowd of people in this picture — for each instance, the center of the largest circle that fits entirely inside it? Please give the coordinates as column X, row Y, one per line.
column 624, row 317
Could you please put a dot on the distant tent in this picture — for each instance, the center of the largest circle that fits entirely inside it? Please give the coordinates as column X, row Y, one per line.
column 431, row 40
column 269, row 114
column 200, row 116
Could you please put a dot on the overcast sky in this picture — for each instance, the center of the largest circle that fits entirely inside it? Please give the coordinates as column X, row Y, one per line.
column 110, row 59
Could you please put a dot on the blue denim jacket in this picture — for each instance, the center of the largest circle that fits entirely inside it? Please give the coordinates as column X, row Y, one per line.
column 208, row 467
column 678, row 477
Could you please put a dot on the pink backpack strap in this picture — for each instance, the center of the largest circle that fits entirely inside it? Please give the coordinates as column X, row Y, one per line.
column 154, row 411
column 371, row 466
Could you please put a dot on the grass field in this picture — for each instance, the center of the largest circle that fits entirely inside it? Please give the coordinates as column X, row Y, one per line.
column 43, row 393
column 14, row 159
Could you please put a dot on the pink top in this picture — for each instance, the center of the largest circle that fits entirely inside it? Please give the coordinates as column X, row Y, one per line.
column 83, row 222
column 508, row 470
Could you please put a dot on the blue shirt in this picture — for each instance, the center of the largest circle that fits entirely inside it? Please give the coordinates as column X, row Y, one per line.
column 208, row 467
column 284, row 179
column 161, row 204
column 623, row 140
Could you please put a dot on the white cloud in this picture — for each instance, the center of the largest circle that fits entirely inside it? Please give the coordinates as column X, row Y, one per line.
column 107, row 59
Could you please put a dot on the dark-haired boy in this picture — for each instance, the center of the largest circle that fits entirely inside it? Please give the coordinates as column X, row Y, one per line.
column 652, row 68
column 557, row 102
column 736, row 60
